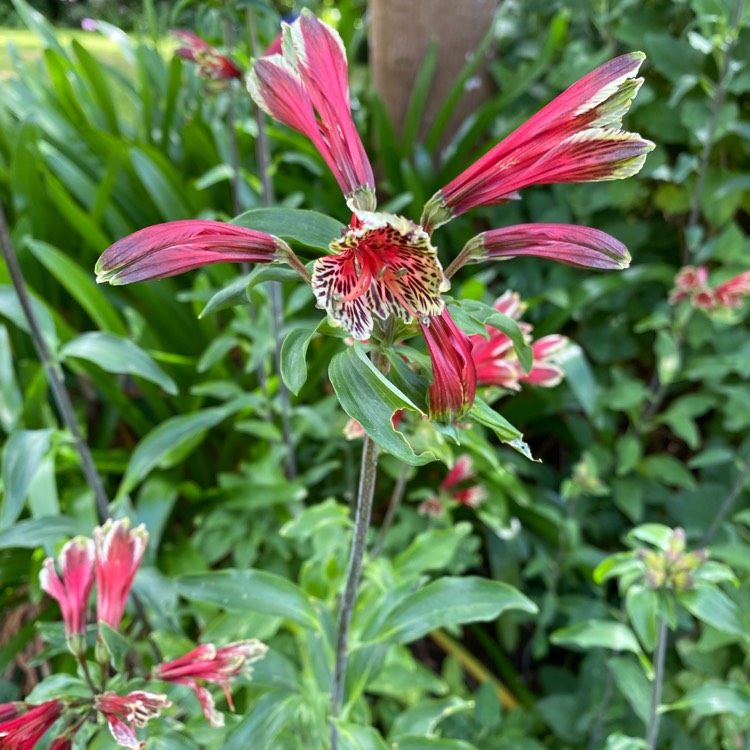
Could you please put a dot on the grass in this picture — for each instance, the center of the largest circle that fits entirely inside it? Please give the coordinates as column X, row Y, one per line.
column 26, row 46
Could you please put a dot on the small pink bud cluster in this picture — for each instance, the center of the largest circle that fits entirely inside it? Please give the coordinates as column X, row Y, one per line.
column 472, row 496
column 691, row 283
column 496, row 360
column 672, row 568
column 110, row 560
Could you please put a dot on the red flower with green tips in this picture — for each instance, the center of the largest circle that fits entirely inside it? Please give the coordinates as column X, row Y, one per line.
column 385, row 267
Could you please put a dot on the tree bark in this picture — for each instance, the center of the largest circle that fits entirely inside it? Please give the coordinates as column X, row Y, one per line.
column 400, row 33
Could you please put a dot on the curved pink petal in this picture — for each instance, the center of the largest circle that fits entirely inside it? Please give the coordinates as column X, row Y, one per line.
column 119, row 550
column 306, row 88
column 573, row 139
column 454, row 377
column 461, row 471
column 174, row 247
column 566, row 243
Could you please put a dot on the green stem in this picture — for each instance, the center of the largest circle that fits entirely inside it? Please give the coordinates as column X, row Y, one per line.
column 54, row 373
column 652, row 733
column 721, row 90
column 274, row 288
column 393, row 506
column 367, row 477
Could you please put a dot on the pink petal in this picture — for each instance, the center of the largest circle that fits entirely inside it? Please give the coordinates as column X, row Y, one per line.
column 545, row 375
column 566, row 243
column 123, row 734
column 177, row 246
column 461, row 471
column 573, row 139
column 454, row 377
column 306, row 88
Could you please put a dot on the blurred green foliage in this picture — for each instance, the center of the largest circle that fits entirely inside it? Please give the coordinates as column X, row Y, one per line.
column 647, row 433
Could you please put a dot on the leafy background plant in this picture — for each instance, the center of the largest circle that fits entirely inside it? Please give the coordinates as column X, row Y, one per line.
column 185, row 419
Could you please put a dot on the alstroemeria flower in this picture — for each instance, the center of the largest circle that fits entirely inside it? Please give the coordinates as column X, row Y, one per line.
column 126, row 712
column 119, row 550
column 496, row 360
column 23, row 731
column 177, row 246
column 471, row 497
column 385, row 267
column 72, row 588
column 731, row 293
column 211, row 63
column 211, row 664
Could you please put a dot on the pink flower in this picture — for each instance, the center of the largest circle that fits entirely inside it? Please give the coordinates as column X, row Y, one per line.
column 496, row 360
column 385, row 267
column 125, row 713
column 61, row 743
column 27, row 726
column 307, row 88
column 454, row 377
column 76, row 562
column 211, row 664
column 178, row 246
column 462, row 472
column 731, row 293
column 575, row 138
column 88, row 24
column 211, row 63
column 119, row 550
column 689, row 279
column 692, row 283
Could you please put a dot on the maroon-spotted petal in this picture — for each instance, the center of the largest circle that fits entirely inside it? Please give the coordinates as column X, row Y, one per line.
column 566, row 243
column 177, row 246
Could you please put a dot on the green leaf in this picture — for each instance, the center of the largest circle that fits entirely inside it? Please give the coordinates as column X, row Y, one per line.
column 409, row 742
column 369, row 397
column 633, row 684
column 42, row 532
column 260, row 728
column 294, row 357
column 236, row 292
column 116, row 644
column 618, row 741
column 167, row 443
column 293, row 224
column 79, row 284
column 250, row 591
column 160, row 180
column 485, row 415
column 22, row 456
column 10, row 308
column 710, row 605
column 450, row 601
column 11, row 398
column 431, row 550
column 419, row 92
column 656, row 534
column 597, row 634
column 357, row 737
column 715, row 698
column 642, row 606
column 117, row 355
column 316, row 519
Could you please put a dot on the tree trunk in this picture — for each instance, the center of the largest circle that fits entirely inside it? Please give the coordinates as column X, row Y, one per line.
column 400, row 33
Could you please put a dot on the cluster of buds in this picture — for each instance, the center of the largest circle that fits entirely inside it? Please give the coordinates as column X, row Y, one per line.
column 110, row 561
column 673, row 567
column 691, row 283
column 448, row 490
column 496, row 360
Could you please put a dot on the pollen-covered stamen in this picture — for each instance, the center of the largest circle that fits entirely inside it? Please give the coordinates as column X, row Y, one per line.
column 383, row 266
